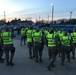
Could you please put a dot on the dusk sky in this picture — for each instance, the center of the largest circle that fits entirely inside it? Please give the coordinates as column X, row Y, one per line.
column 32, row 8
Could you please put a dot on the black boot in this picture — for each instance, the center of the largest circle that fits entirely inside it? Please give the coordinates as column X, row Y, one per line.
column 30, row 56
column 11, row 63
column 40, row 60
column 48, row 67
column 62, row 64
column 49, row 58
column 33, row 56
column 1, row 61
column 68, row 60
column 37, row 60
column 8, row 62
column 52, row 65
column 73, row 57
column 20, row 44
column 3, row 58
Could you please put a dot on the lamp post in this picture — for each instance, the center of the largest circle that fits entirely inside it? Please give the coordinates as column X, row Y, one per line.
column 52, row 12
column 48, row 18
column 4, row 16
column 71, row 15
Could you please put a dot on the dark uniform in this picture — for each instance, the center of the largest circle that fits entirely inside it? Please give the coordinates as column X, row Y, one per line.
column 38, row 44
column 51, row 48
column 65, row 47
column 1, row 50
column 8, row 46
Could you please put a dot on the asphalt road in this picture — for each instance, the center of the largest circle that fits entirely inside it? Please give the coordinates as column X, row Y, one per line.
column 25, row 66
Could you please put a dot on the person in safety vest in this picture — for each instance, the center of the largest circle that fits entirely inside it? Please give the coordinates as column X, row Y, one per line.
column 45, row 33
column 38, row 44
column 1, row 50
column 60, row 35
column 30, row 42
column 65, row 47
column 23, row 35
column 73, row 35
column 52, row 51
column 8, row 46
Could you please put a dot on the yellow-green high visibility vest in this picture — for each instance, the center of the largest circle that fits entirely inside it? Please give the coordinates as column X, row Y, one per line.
column 7, row 39
column 65, row 41
column 29, row 35
column 74, row 37
column 37, row 36
column 51, row 40
column 60, row 35
column 23, row 32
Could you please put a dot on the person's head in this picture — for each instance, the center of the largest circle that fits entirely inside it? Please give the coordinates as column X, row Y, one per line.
column 0, row 30
column 74, row 29
column 37, row 29
column 6, row 29
column 65, row 33
column 60, row 31
column 51, row 31
column 30, row 27
column 63, row 29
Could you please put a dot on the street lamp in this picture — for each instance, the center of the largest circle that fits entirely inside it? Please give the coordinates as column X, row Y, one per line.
column 48, row 18
column 4, row 16
column 71, row 15
column 52, row 12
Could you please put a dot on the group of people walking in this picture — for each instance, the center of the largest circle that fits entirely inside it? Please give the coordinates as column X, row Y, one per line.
column 58, row 42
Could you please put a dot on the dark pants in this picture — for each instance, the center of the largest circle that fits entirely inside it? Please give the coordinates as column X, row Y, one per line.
column 38, row 50
column 23, row 38
column 31, row 49
column 65, row 50
column 9, row 48
column 1, row 52
column 73, row 50
column 52, row 51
